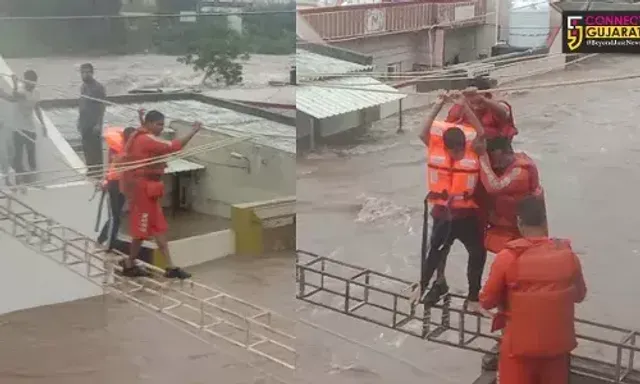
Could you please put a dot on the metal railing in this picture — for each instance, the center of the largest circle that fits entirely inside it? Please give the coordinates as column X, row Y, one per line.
column 201, row 309
column 605, row 352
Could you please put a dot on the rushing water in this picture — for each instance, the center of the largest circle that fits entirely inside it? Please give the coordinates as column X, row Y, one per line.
column 59, row 77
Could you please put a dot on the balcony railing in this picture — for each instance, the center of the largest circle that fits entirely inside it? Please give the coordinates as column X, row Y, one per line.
column 357, row 21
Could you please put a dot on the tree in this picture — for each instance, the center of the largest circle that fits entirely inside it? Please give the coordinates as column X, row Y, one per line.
column 216, row 50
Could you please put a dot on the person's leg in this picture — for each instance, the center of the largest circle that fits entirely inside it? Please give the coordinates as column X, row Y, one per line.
column 513, row 370
column 139, row 212
column 554, row 371
column 93, row 154
column 441, row 278
column 439, row 245
column 470, row 234
column 112, row 225
column 116, row 214
column 30, row 147
column 18, row 149
column 158, row 227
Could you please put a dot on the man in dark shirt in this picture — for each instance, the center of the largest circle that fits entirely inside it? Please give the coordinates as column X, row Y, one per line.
column 90, row 119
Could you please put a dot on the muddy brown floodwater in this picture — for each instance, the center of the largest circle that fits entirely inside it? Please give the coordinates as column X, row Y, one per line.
column 362, row 203
column 113, row 341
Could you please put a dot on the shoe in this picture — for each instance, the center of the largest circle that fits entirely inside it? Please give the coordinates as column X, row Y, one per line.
column 490, row 360
column 135, row 271
column 436, row 292
column 176, row 273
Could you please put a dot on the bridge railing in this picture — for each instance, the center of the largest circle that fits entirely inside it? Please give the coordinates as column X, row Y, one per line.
column 605, row 352
column 357, row 21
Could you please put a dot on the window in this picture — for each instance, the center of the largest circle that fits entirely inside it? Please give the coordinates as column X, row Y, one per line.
column 393, row 68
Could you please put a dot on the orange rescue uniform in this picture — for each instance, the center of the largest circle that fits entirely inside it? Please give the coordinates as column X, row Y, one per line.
column 494, row 126
column 143, row 186
column 519, row 180
column 535, row 283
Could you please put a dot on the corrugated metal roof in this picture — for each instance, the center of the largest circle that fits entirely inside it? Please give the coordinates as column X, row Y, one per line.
column 312, row 66
column 181, row 165
column 322, row 102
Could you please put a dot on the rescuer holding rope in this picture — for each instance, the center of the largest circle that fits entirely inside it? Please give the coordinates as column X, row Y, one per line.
column 495, row 115
column 144, row 189
column 534, row 282
column 507, row 177
column 452, row 175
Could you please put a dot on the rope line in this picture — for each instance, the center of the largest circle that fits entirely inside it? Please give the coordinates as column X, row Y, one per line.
column 505, row 89
column 443, row 73
column 139, row 164
column 454, row 76
column 218, row 128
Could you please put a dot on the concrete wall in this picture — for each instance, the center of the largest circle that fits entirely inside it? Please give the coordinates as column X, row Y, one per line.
column 336, row 125
column 462, row 42
column 203, row 248
column 36, row 280
column 415, row 47
column 403, row 48
column 220, row 186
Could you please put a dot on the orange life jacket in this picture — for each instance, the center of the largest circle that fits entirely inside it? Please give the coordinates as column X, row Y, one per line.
column 541, row 298
column 451, row 182
column 493, row 127
column 114, row 136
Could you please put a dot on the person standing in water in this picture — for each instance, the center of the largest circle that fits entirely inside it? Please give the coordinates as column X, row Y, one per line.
column 90, row 119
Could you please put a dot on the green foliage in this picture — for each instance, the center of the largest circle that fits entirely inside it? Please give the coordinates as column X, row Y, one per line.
column 215, row 49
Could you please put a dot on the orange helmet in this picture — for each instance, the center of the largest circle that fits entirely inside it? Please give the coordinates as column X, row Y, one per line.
column 114, row 138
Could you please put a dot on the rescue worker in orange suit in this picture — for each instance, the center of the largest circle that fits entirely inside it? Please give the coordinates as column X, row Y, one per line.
column 507, row 177
column 452, row 175
column 144, row 189
column 116, row 139
column 495, row 115
column 534, row 282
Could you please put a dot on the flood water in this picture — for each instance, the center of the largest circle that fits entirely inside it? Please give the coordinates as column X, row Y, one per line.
column 363, row 203
column 59, row 77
